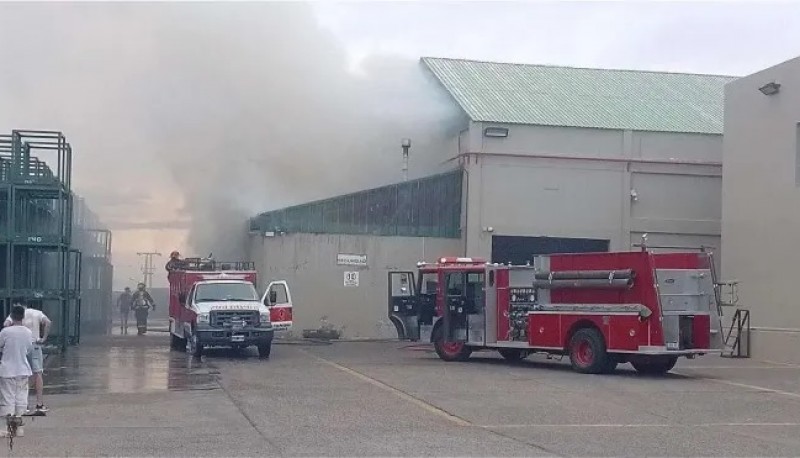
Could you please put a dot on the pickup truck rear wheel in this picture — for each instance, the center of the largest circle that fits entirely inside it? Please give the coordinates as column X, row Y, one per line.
column 264, row 350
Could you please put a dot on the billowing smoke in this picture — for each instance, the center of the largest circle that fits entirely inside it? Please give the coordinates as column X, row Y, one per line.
column 205, row 114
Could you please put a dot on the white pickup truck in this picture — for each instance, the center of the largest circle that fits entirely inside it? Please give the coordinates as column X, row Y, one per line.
column 227, row 313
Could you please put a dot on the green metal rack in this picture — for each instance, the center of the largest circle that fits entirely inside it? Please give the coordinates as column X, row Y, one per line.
column 40, row 263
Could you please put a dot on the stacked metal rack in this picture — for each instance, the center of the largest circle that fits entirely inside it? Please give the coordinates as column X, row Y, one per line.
column 93, row 240
column 38, row 264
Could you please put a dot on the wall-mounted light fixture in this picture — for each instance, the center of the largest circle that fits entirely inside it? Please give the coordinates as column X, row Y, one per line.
column 495, row 132
column 770, row 88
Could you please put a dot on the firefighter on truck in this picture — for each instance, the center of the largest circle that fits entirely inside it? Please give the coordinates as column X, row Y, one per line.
column 216, row 304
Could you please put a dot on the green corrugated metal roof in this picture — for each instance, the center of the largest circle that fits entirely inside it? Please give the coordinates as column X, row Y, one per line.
column 583, row 97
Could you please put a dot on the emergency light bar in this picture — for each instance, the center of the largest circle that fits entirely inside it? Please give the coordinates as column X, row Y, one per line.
column 224, row 276
column 454, row 260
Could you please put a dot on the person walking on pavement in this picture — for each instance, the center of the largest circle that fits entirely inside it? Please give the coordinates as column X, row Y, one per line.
column 124, row 304
column 16, row 344
column 142, row 303
column 39, row 325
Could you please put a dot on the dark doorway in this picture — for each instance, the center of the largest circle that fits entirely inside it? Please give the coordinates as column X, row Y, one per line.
column 520, row 249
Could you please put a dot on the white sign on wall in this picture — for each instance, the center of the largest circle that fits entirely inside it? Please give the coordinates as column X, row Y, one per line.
column 351, row 259
column 351, row 279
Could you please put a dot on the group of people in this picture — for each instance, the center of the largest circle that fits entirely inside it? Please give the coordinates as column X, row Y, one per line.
column 140, row 302
column 24, row 332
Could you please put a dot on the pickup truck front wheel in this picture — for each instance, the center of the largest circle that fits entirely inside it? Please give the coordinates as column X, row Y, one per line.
column 194, row 346
column 264, row 350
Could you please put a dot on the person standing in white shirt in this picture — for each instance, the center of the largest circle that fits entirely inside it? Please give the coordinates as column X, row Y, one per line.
column 39, row 325
column 16, row 343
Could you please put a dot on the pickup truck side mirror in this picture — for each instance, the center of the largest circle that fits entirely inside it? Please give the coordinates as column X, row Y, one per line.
column 273, row 296
column 182, row 298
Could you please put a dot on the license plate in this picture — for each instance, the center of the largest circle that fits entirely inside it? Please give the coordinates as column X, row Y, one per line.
column 237, row 338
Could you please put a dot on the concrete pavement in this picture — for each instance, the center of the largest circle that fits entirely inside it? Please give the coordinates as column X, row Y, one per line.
column 130, row 395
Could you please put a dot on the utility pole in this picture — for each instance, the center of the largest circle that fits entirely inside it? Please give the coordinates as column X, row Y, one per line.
column 147, row 267
column 406, row 144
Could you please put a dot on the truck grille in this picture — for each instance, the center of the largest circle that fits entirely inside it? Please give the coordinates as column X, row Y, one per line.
column 223, row 318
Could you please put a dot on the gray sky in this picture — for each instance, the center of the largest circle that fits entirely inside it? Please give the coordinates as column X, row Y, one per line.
column 198, row 115
column 723, row 37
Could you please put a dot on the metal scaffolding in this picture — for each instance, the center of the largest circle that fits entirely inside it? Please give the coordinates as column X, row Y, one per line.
column 40, row 263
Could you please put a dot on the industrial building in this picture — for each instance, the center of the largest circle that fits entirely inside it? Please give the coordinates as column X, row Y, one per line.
column 549, row 159
column 761, row 205
column 45, row 231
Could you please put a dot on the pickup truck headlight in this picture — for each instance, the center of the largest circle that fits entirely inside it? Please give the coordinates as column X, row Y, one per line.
column 202, row 318
column 263, row 320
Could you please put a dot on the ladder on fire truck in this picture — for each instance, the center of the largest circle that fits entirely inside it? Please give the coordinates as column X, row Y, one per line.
column 736, row 341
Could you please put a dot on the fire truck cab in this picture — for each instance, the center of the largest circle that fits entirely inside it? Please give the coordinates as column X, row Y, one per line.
column 215, row 304
column 599, row 309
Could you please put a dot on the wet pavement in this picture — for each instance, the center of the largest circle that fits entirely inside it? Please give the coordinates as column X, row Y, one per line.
column 132, row 396
column 127, row 364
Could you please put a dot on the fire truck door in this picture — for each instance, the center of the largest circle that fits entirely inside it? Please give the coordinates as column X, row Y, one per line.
column 278, row 300
column 454, row 316
column 404, row 305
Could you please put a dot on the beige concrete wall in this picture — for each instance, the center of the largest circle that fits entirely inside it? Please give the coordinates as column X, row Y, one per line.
column 761, row 205
column 515, row 191
column 308, row 263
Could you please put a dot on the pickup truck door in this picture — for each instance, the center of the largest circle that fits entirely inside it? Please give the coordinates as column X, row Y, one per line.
column 280, row 311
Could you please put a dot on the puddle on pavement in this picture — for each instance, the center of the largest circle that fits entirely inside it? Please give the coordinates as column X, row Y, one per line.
column 128, row 364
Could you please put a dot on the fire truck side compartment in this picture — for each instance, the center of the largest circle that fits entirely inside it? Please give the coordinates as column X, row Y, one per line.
column 641, row 291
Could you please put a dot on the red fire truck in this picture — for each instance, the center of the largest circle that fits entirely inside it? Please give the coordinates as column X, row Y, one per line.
column 600, row 309
column 214, row 303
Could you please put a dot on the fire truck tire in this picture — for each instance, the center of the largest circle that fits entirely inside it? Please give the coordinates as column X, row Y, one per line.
column 194, row 347
column 264, row 350
column 176, row 343
column 654, row 365
column 587, row 352
column 449, row 351
column 513, row 354
column 611, row 364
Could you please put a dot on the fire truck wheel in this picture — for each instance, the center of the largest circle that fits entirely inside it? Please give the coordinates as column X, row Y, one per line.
column 611, row 364
column 264, row 350
column 176, row 343
column 587, row 352
column 450, row 351
column 654, row 365
column 194, row 346
column 513, row 354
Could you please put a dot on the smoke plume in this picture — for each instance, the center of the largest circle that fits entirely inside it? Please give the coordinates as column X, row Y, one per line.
column 201, row 115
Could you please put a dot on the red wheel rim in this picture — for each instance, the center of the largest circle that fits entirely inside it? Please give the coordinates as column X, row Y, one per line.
column 583, row 353
column 452, row 348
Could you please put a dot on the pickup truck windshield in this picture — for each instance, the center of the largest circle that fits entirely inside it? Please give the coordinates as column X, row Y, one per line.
column 225, row 292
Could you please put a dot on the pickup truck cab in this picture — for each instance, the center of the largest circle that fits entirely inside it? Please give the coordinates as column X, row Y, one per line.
column 225, row 313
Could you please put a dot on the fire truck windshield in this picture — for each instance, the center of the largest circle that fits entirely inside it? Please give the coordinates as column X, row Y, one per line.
column 213, row 292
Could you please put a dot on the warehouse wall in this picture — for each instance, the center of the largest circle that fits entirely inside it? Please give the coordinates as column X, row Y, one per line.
column 761, row 206
column 308, row 262
column 516, row 187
